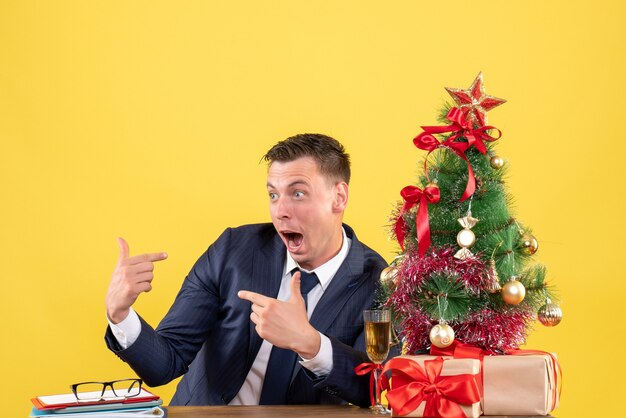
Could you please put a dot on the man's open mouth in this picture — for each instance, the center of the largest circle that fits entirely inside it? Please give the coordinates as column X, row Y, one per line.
column 294, row 240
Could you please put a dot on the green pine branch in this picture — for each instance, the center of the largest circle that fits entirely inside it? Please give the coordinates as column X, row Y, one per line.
column 444, row 297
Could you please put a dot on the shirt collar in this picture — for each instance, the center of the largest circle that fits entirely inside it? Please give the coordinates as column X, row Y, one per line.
column 326, row 271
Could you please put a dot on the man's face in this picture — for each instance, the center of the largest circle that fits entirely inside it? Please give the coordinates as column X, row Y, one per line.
column 307, row 210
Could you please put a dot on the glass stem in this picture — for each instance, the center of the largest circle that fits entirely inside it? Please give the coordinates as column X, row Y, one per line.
column 376, row 391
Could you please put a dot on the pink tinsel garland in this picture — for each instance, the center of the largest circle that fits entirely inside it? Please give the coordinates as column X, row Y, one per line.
column 487, row 328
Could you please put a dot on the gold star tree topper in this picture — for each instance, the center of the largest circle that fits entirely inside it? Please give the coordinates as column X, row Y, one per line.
column 473, row 102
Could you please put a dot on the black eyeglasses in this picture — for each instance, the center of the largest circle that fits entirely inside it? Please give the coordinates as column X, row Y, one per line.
column 97, row 391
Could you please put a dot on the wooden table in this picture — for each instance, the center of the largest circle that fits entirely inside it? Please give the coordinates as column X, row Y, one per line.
column 297, row 411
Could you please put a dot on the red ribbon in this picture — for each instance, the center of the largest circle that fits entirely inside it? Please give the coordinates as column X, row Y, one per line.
column 459, row 127
column 459, row 349
column 475, row 136
column 428, row 142
column 442, row 394
column 365, row 368
column 413, row 195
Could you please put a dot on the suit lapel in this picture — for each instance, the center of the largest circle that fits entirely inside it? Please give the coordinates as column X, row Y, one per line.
column 342, row 287
column 267, row 272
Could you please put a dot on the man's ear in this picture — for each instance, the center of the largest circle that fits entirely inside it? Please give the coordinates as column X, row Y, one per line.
column 341, row 197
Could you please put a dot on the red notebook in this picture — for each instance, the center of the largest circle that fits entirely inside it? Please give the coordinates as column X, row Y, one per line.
column 68, row 400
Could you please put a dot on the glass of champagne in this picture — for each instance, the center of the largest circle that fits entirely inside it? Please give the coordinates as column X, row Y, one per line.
column 377, row 339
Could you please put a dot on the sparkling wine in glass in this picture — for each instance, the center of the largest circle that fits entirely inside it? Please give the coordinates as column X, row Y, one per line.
column 377, row 340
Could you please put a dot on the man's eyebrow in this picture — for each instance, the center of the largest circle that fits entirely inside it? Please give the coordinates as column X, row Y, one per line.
column 292, row 184
column 297, row 182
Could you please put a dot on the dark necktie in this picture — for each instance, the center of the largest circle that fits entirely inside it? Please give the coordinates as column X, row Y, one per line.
column 281, row 363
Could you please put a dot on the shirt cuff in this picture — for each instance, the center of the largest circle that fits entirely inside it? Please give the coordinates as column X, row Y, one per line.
column 322, row 363
column 127, row 331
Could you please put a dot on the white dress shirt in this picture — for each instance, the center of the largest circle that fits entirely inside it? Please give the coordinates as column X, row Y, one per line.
column 127, row 331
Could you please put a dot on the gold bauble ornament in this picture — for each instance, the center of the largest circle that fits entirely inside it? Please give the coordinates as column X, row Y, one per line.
column 550, row 314
column 513, row 292
column 388, row 275
column 496, row 162
column 529, row 244
column 442, row 335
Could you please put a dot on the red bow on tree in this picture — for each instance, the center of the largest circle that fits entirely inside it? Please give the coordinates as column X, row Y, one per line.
column 460, row 127
column 412, row 196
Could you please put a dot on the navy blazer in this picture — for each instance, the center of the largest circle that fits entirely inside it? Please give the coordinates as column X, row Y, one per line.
column 208, row 335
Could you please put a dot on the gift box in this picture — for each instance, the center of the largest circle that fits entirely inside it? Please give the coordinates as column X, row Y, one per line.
column 520, row 384
column 433, row 386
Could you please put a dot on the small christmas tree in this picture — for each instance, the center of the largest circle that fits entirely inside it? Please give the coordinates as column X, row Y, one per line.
column 465, row 268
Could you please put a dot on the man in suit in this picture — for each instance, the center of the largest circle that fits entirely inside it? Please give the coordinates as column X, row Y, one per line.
column 270, row 313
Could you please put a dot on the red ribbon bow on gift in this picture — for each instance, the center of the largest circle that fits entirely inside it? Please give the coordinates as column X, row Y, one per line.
column 413, row 195
column 365, row 368
column 459, row 349
column 442, row 394
column 460, row 127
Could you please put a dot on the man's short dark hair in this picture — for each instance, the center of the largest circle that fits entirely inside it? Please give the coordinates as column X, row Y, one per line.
column 330, row 155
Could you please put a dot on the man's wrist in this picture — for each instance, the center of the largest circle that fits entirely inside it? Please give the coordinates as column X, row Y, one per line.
column 117, row 316
column 310, row 345
column 127, row 331
column 322, row 364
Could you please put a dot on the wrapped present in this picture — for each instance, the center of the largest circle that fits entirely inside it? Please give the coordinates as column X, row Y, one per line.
column 427, row 386
column 523, row 383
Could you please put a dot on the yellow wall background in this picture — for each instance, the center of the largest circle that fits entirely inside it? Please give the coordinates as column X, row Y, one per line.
column 147, row 120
